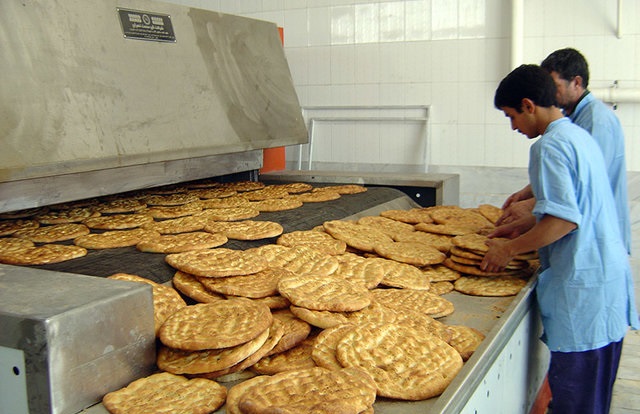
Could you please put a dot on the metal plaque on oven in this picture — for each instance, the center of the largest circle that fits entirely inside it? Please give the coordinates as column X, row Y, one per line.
column 144, row 25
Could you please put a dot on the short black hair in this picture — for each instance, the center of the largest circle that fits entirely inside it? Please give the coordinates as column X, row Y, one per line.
column 526, row 81
column 569, row 63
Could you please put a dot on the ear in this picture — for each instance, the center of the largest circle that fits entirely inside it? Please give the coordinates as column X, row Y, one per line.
column 579, row 81
column 528, row 105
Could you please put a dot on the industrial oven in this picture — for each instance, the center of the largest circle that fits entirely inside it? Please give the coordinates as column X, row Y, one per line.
column 105, row 97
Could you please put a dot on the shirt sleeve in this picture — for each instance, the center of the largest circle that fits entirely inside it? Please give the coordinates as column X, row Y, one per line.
column 555, row 186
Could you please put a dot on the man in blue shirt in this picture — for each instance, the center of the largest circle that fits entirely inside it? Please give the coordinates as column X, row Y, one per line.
column 584, row 289
column 570, row 72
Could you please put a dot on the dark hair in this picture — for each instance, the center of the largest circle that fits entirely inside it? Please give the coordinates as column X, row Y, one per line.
column 569, row 63
column 526, row 81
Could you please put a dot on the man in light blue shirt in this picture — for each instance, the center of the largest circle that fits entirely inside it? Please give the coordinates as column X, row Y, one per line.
column 584, row 289
column 570, row 72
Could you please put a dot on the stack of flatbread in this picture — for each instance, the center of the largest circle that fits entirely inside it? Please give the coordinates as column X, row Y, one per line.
column 466, row 256
column 214, row 338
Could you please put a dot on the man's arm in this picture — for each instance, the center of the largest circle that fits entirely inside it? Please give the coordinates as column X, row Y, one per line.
column 523, row 194
column 516, row 211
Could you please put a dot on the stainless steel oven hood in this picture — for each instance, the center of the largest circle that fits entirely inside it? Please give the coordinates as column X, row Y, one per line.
column 94, row 86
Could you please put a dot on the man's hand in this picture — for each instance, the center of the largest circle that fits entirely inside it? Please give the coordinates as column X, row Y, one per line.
column 498, row 256
column 516, row 211
column 523, row 194
column 500, row 252
column 514, row 228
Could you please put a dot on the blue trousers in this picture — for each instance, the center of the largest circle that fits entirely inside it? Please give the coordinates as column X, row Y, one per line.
column 582, row 382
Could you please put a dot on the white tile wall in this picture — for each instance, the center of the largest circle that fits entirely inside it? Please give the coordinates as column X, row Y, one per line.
column 449, row 54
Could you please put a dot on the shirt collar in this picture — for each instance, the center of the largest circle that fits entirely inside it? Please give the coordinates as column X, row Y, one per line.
column 570, row 111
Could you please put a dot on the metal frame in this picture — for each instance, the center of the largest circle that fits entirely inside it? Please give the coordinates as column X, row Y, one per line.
column 350, row 118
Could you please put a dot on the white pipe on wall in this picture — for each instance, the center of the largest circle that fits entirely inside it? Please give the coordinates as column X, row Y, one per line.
column 619, row 31
column 616, row 95
column 517, row 32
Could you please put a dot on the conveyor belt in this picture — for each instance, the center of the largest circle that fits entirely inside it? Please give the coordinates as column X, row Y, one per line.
column 152, row 265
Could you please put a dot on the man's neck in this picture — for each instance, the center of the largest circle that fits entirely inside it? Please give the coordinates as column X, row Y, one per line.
column 547, row 116
column 571, row 108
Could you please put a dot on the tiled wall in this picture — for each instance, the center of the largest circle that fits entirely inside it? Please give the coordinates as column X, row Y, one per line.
column 449, row 54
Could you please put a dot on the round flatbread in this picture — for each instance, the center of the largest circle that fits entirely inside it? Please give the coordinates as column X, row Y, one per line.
column 228, row 214
column 298, row 259
column 441, row 288
column 440, row 273
column 52, row 234
column 219, row 262
column 40, row 255
column 318, row 240
column 412, row 216
column 318, row 318
column 294, row 188
column 313, row 390
column 212, row 193
column 277, row 204
column 441, row 242
column 191, row 287
column 344, row 188
column 8, row 227
column 118, row 221
column 297, row 357
column 245, row 229
column 120, row 205
column 490, row 212
column 215, row 325
column 257, row 285
column 450, row 229
column 228, row 202
column 409, row 299
column 392, row 228
column 331, row 293
column 177, row 225
column 358, row 236
column 72, row 215
column 295, row 331
column 266, row 193
column 176, row 199
column 171, row 212
column 183, row 242
column 368, row 272
column 324, row 347
column 114, row 238
column 166, row 300
column 413, row 253
column 465, row 340
column 9, row 245
column 318, row 196
column 166, row 392
column 242, row 186
column 460, row 216
column 420, row 366
column 490, row 286
column 404, row 276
